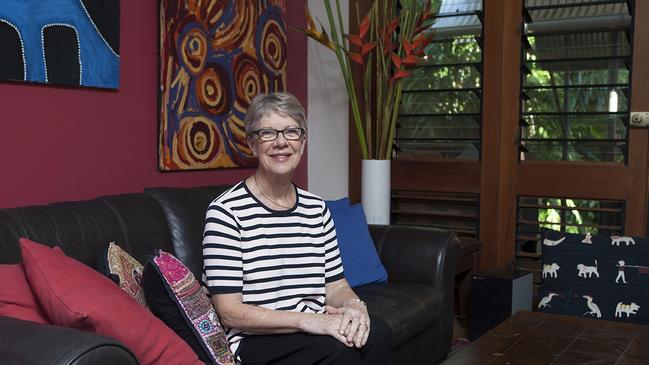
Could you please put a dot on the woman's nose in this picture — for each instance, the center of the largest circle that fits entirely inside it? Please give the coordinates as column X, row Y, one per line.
column 281, row 141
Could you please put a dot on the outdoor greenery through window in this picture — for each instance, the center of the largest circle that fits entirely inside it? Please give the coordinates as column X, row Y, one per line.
column 440, row 111
column 581, row 216
column 575, row 76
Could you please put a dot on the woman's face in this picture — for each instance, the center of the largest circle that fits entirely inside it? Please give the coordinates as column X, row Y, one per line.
column 281, row 156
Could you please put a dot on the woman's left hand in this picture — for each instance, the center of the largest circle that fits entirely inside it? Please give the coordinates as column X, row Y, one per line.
column 355, row 325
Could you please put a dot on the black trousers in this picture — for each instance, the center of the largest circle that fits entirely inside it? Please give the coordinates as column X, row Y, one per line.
column 303, row 348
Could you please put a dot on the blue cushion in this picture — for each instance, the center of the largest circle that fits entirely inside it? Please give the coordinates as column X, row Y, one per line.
column 338, row 204
column 360, row 259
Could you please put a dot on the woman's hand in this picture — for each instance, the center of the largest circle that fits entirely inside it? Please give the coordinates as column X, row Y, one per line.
column 326, row 324
column 355, row 324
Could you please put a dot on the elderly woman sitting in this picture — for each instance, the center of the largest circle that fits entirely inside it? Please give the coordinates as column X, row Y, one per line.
column 272, row 263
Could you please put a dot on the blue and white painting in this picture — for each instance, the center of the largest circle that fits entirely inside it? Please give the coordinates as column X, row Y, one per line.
column 63, row 42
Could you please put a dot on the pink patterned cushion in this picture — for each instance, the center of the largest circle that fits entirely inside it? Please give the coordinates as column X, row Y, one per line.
column 176, row 297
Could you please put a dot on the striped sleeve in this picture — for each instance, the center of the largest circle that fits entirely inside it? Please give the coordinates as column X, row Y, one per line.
column 222, row 260
column 333, row 262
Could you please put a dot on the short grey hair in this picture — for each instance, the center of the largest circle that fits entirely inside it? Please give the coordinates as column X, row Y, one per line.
column 282, row 103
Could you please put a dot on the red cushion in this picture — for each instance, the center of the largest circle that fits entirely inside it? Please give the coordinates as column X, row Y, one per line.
column 74, row 295
column 16, row 297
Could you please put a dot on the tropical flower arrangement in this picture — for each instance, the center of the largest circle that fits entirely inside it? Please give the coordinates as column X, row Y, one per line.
column 391, row 39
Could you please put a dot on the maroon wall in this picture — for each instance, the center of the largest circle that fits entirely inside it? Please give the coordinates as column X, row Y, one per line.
column 70, row 144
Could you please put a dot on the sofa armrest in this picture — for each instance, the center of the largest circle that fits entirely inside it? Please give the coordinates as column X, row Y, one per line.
column 417, row 254
column 27, row 343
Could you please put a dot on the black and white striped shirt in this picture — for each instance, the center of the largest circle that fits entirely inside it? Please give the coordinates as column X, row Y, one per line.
column 278, row 260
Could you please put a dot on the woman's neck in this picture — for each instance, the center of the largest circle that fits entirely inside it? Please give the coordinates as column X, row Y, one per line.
column 277, row 190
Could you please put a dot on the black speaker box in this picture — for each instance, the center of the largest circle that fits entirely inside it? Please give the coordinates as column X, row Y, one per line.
column 495, row 296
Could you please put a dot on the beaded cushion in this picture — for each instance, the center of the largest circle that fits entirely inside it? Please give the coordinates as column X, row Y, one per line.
column 124, row 270
column 176, row 297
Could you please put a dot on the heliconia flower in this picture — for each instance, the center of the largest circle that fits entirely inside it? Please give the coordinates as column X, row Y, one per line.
column 395, row 60
column 399, row 75
column 367, row 48
column 355, row 40
column 394, row 23
column 410, row 60
column 420, row 43
column 364, row 26
column 356, row 58
column 407, row 47
column 313, row 33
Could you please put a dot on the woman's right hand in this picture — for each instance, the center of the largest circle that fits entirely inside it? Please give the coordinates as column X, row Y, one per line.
column 325, row 324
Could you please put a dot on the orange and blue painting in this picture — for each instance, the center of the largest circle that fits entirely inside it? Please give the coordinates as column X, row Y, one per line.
column 215, row 56
column 63, row 42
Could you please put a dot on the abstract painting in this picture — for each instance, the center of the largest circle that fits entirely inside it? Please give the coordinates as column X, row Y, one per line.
column 64, row 42
column 215, row 56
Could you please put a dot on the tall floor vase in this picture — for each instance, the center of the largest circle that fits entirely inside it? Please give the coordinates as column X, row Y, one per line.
column 375, row 191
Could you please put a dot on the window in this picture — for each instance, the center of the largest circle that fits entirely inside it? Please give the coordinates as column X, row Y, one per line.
column 441, row 103
column 575, row 73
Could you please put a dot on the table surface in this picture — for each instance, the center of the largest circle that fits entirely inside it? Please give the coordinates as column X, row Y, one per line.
column 542, row 338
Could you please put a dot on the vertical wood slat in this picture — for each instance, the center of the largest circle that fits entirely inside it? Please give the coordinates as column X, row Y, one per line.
column 636, row 214
column 501, row 62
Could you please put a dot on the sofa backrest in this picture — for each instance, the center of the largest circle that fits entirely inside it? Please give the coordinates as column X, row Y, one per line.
column 83, row 228
column 185, row 210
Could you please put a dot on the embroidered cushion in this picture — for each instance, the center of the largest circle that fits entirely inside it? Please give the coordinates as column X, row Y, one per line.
column 360, row 260
column 16, row 297
column 124, row 270
column 595, row 276
column 176, row 297
column 76, row 296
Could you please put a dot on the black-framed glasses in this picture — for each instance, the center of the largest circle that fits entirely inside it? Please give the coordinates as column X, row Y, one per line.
column 270, row 134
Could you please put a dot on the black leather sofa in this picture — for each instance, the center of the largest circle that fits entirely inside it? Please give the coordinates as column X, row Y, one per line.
column 417, row 301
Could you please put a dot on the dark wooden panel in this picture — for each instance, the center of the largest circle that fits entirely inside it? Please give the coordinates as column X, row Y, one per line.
column 636, row 223
column 573, row 180
column 441, row 176
column 501, row 86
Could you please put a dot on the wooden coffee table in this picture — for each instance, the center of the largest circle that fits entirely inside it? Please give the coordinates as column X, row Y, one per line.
column 541, row 338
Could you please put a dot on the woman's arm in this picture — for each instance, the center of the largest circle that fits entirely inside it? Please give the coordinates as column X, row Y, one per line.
column 355, row 324
column 257, row 320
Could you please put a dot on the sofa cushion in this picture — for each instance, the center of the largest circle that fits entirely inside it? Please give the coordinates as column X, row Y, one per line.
column 82, row 228
column 406, row 307
column 338, row 204
column 596, row 276
column 357, row 251
column 124, row 270
column 74, row 295
column 185, row 210
column 16, row 297
column 177, row 298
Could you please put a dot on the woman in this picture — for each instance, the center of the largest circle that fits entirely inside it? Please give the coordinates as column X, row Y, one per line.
column 272, row 263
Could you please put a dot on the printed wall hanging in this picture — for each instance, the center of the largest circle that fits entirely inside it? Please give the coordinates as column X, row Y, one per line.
column 215, row 56
column 63, row 42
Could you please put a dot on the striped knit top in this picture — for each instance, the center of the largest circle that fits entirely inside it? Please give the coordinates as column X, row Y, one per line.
column 278, row 260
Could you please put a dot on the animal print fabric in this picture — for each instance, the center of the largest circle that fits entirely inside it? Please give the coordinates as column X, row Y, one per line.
column 595, row 276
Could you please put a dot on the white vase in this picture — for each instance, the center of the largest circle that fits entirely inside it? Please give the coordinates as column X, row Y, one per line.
column 375, row 191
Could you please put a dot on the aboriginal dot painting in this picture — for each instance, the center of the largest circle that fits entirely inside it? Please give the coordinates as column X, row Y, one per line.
column 63, row 42
column 215, row 56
